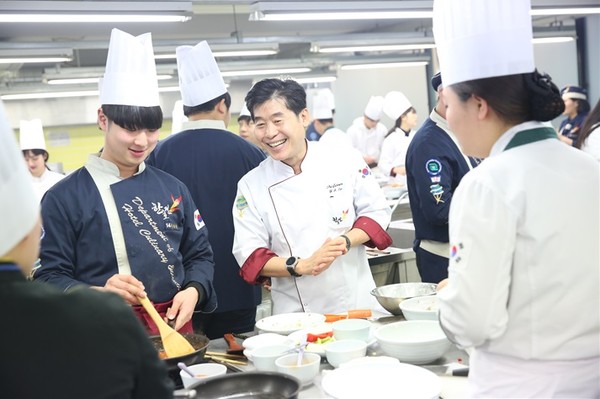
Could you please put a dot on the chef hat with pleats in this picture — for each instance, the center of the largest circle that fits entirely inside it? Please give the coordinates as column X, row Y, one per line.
column 245, row 111
column 177, row 117
column 31, row 135
column 482, row 39
column 374, row 108
column 395, row 104
column 17, row 198
column 200, row 79
column 322, row 107
column 130, row 76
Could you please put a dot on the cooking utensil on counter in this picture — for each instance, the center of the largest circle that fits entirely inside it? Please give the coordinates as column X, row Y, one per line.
column 351, row 314
column 253, row 384
column 390, row 296
column 174, row 343
column 233, row 347
column 182, row 366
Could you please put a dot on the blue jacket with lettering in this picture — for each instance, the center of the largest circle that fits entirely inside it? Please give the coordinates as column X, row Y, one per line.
column 165, row 237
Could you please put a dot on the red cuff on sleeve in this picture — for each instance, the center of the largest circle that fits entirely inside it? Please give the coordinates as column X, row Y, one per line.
column 392, row 173
column 251, row 268
column 379, row 237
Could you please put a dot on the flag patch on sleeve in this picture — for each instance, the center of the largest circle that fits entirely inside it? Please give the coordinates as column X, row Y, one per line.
column 198, row 221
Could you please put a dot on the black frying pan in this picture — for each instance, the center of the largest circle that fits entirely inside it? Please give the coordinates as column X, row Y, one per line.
column 251, row 385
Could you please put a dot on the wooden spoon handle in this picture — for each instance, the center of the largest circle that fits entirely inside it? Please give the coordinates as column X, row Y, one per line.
column 160, row 323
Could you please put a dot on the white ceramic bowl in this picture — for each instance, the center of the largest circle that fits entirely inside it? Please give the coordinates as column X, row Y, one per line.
column 306, row 372
column 420, row 308
column 286, row 323
column 339, row 352
column 202, row 371
column 351, row 329
column 413, row 341
column 264, row 357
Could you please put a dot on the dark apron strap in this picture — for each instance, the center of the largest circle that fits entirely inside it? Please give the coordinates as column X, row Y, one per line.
column 161, row 308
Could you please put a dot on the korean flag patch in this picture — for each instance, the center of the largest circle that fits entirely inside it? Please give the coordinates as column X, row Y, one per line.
column 198, row 221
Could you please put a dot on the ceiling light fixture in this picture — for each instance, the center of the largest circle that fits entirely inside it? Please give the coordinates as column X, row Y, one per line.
column 547, row 40
column 94, row 11
column 75, row 81
column 282, row 71
column 317, row 79
column 352, row 67
column 223, row 54
column 345, row 10
column 387, row 47
column 34, row 60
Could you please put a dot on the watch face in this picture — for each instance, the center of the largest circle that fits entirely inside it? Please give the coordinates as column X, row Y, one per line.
column 290, row 261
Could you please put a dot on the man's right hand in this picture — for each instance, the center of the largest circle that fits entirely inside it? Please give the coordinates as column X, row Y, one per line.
column 126, row 286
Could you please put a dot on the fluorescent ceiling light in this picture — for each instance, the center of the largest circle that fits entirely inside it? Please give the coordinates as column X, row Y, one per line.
column 344, row 15
column 33, row 60
column 223, row 54
column 317, row 79
column 546, row 40
column 265, row 72
column 537, row 12
column 387, row 47
column 57, row 94
column 75, row 81
column 351, row 67
column 49, row 11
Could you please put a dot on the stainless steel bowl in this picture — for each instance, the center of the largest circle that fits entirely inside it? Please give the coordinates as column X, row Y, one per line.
column 390, row 296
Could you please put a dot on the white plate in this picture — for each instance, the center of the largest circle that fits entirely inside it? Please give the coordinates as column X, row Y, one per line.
column 265, row 339
column 287, row 323
column 381, row 380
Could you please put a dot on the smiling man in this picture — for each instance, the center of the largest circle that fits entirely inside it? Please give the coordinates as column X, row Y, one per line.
column 121, row 226
column 304, row 216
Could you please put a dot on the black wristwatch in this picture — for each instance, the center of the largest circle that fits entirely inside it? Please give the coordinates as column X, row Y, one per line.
column 290, row 265
column 348, row 242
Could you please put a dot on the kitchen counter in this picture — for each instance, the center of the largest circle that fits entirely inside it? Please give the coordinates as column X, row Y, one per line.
column 452, row 387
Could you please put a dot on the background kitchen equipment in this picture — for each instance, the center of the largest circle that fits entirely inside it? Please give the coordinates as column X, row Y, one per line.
column 198, row 341
column 256, row 385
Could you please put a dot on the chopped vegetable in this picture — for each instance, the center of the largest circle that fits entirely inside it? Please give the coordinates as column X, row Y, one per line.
column 315, row 337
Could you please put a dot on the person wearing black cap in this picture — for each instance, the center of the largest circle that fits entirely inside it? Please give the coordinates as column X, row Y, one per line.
column 434, row 167
column 576, row 110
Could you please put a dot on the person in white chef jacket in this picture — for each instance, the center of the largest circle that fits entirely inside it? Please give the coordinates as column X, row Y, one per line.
column 367, row 132
column 304, row 216
column 393, row 150
column 33, row 146
column 323, row 123
column 528, row 304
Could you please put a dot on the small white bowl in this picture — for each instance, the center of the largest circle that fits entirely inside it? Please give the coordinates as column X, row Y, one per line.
column 202, row 371
column 339, row 352
column 413, row 341
column 351, row 329
column 306, row 372
column 420, row 308
column 264, row 357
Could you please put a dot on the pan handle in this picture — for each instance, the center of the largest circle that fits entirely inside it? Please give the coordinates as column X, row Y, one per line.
column 184, row 394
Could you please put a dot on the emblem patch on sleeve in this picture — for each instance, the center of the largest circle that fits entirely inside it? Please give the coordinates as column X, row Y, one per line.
column 364, row 172
column 198, row 221
column 433, row 167
column 437, row 191
column 241, row 204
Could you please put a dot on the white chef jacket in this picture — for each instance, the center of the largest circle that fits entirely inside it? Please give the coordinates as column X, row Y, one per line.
column 45, row 181
column 293, row 215
column 524, row 271
column 393, row 153
column 591, row 145
column 367, row 141
column 336, row 137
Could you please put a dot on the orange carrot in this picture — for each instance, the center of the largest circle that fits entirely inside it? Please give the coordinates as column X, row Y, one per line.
column 359, row 314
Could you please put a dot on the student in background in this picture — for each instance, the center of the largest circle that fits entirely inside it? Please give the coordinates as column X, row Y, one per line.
column 367, row 132
column 246, row 125
column 589, row 136
column 576, row 110
column 33, row 146
column 516, row 289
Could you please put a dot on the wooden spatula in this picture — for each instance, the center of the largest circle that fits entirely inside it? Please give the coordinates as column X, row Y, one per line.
column 173, row 342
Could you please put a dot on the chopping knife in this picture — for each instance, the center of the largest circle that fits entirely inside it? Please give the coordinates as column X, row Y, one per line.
column 233, row 347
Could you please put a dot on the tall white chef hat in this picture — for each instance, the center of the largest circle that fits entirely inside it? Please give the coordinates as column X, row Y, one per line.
column 244, row 111
column 374, row 108
column 481, row 39
column 130, row 76
column 322, row 107
column 395, row 104
column 177, row 117
column 16, row 190
column 200, row 79
column 31, row 135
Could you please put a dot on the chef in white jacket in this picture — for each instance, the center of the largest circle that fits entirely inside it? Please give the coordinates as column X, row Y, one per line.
column 305, row 214
column 527, row 303
column 395, row 145
column 33, row 145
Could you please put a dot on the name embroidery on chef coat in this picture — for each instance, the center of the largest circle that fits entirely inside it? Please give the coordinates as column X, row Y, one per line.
column 434, row 168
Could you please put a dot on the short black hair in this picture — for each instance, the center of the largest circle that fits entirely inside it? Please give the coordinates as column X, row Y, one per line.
column 244, row 118
column 36, row 152
column 132, row 117
column 207, row 106
column 290, row 91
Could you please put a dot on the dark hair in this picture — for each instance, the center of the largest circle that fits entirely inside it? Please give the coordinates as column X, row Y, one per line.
column 398, row 122
column 582, row 105
column 207, row 106
column 592, row 119
column 516, row 98
column 133, row 118
column 36, row 152
column 290, row 91
column 244, row 118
